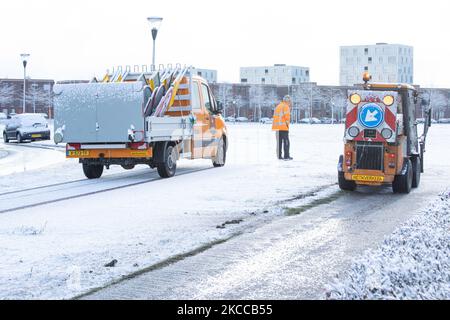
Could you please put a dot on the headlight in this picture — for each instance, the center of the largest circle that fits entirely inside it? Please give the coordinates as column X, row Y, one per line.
column 353, row 132
column 388, row 100
column 386, row 133
column 355, row 98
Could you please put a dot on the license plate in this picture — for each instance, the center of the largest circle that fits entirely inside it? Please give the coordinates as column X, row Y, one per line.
column 79, row 153
column 36, row 135
column 364, row 178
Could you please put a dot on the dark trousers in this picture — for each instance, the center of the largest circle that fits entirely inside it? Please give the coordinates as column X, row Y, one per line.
column 283, row 144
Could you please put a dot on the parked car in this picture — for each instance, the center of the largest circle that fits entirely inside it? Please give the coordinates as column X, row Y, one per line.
column 310, row 121
column 266, row 121
column 241, row 119
column 444, row 120
column 26, row 126
column 325, row 120
column 230, row 119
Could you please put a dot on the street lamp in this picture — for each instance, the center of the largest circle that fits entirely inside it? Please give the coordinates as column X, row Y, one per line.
column 155, row 24
column 25, row 57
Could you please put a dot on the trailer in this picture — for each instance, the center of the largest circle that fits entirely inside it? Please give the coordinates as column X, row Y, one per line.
column 381, row 142
column 130, row 118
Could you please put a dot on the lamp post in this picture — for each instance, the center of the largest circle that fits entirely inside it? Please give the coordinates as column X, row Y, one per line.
column 25, row 57
column 155, row 24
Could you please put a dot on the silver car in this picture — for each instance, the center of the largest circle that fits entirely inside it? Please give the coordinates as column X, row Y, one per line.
column 26, row 126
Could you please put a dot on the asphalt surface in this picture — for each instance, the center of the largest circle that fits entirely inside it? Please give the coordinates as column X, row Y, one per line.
column 290, row 258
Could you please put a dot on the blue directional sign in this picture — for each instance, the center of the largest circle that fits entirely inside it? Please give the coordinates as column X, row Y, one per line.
column 371, row 115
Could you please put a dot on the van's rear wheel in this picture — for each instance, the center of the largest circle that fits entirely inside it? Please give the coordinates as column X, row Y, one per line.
column 168, row 167
column 221, row 157
column 403, row 183
column 92, row 171
column 417, row 169
column 5, row 137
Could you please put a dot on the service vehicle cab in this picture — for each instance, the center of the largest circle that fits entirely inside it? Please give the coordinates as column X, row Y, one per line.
column 381, row 141
column 26, row 126
column 131, row 118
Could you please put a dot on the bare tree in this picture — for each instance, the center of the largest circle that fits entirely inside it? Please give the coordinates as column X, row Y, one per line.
column 39, row 96
column 6, row 94
column 225, row 96
column 256, row 98
column 439, row 101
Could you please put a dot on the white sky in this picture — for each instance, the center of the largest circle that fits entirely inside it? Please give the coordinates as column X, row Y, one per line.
column 81, row 39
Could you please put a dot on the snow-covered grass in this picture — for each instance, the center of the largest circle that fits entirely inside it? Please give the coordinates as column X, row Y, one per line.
column 412, row 263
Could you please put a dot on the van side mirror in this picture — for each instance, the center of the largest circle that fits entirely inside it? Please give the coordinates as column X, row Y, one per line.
column 219, row 107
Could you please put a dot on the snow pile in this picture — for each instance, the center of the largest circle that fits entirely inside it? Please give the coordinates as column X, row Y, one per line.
column 412, row 263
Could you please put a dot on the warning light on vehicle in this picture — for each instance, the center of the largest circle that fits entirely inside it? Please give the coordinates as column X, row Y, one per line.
column 355, row 99
column 388, row 100
column 367, row 77
column 353, row 132
column 386, row 133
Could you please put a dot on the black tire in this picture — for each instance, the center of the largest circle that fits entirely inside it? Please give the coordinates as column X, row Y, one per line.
column 403, row 183
column 128, row 166
column 5, row 137
column 345, row 184
column 221, row 157
column 19, row 137
column 417, row 169
column 168, row 167
column 92, row 171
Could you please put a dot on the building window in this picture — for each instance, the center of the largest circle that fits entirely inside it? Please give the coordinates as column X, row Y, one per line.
column 366, row 68
column 381, row 60
column 263, row 80
column 293, row 80
column 366, row 51
column 370, row 60
column 392, row 60
column 307, row 73
column 266, row 71
column 199, row 73
column 243, row 80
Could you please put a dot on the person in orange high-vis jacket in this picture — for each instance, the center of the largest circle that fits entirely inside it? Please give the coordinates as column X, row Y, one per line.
column 281, row 122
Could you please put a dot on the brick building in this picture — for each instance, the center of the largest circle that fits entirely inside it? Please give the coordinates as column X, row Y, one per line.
column 38, row 98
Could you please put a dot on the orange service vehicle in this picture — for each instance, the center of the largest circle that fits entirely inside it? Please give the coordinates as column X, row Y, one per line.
column 131, row 118
column 381, row 141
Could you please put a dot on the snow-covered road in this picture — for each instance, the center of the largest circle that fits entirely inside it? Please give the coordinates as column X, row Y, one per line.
column 220, row 232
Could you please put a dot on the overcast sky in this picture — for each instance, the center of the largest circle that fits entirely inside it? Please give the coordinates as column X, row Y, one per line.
column 81, row 39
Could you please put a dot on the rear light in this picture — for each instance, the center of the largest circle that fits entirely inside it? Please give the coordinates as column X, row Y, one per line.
column 348, row 158
column 391, row 160
column 73, row 146
column 138, row 146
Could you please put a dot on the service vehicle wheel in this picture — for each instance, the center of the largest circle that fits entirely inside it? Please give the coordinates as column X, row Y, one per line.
column 19, row 137
column 128, row 166
column 5, row 137
column 417, row 169
column 403, row 183
column 168, row 167
column 92, row 171
column 221, row 157
column 345, row 184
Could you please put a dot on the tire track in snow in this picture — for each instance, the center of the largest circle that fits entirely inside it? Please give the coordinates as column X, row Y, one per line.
column 88, row 193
